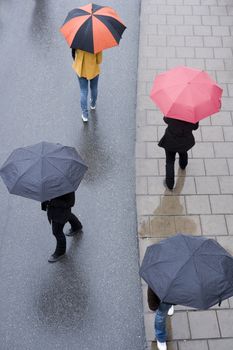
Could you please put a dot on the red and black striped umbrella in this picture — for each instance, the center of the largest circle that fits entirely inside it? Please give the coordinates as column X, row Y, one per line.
column 92, row 28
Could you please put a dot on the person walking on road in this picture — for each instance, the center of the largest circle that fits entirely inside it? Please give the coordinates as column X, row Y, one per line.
column 179, row 138
column 161, row 312
column 59, row 212
column 87, row 67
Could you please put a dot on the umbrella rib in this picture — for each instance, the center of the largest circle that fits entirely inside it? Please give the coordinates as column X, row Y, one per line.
column 211, row 267
column 168, row 289
column 24, row 174
column 59, row 170
column 183, row 265
column 217, row 255
column 200, row 282
column 176, row 100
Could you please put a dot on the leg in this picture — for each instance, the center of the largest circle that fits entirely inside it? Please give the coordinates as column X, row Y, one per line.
column 94, row 91
column 170, row 173
column 160, row 322
column 74, row 222
column 83, row 82
column 57, row 229
column 183, row 161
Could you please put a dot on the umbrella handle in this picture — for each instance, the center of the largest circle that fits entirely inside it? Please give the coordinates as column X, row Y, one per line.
column 219, row 301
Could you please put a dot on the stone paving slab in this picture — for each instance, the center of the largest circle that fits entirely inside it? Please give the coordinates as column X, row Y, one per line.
column 196, row 33
column 193, row 345
column 204, row 324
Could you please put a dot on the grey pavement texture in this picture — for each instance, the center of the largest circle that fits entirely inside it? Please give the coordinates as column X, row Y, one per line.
column 91, row 299
column 196, row 33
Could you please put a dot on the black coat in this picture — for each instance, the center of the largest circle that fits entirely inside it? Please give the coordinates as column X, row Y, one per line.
column 178, row 135
column 59, row 208
column 152, row 299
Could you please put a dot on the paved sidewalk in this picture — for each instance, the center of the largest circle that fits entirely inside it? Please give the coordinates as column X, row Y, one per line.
column 196, row 33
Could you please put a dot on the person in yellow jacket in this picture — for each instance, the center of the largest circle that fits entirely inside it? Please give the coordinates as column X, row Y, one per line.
column 86, row 66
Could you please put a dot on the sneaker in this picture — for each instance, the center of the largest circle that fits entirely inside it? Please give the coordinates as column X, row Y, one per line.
column 161, row 346
column 72, row 232
column 85, row 119
column 54, row 258
column 92, row 106
column 171, row 311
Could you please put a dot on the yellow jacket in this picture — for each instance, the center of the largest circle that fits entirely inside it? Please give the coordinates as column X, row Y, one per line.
column 86, row 64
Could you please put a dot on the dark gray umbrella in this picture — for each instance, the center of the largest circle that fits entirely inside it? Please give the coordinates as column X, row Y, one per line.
column 43, row 171
column 188, row 270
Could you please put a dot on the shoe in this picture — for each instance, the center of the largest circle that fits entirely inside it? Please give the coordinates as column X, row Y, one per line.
column 54, row 258
column 161, row 346
column 182, row 166
column 166, row 185
column 72, row 232
column 171, row 311
column 85, row 119
column 93, row 107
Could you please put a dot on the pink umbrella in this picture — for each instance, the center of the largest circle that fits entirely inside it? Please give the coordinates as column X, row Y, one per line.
column 187, row 94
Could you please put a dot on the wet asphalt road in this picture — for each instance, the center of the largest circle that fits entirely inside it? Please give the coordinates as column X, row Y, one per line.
column 91, row 299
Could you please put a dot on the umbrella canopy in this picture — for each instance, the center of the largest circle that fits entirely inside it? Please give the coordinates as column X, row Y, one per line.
column 186, row 94
column 43, row 171
column 188, row 270
column 92, row 28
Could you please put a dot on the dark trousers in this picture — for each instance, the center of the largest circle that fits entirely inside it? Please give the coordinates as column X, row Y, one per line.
column 170, row 163
column 57, row 229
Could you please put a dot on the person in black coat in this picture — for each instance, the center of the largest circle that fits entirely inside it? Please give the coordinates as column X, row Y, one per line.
column 179, row 138
column 59, row 212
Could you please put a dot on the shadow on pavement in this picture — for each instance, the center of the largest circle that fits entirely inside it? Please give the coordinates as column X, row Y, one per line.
column 94, row 152
column 41, row 26
column 63, row 296
column 169, row 218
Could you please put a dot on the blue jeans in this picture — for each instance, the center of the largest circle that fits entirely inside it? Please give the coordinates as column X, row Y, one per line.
column 160, row 322
column 83, row 82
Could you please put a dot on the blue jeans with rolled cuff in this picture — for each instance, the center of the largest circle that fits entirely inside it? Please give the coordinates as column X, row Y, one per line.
column 160, row 322
column 83, row 82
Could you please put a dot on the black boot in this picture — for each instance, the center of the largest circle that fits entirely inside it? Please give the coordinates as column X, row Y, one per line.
column 73, row 231
column 183, row 160
column 60, row 249
column 170, row 183
column 55, row 257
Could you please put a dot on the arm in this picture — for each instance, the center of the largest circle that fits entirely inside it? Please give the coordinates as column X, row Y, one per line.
column 196, row 126
column 66, row 201
column 59, row 203
column 152, row 299
column 166, row 120
column 73, row 53
column 44, row 205
column 99, row 57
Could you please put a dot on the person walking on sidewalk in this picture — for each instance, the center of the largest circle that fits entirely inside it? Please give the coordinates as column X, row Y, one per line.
column 179, row 138
column 162, row 310
column 87, row 68
column 59, row 212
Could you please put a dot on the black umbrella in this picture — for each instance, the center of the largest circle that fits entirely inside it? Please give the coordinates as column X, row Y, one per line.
column 188, row 270
column 43, row 171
